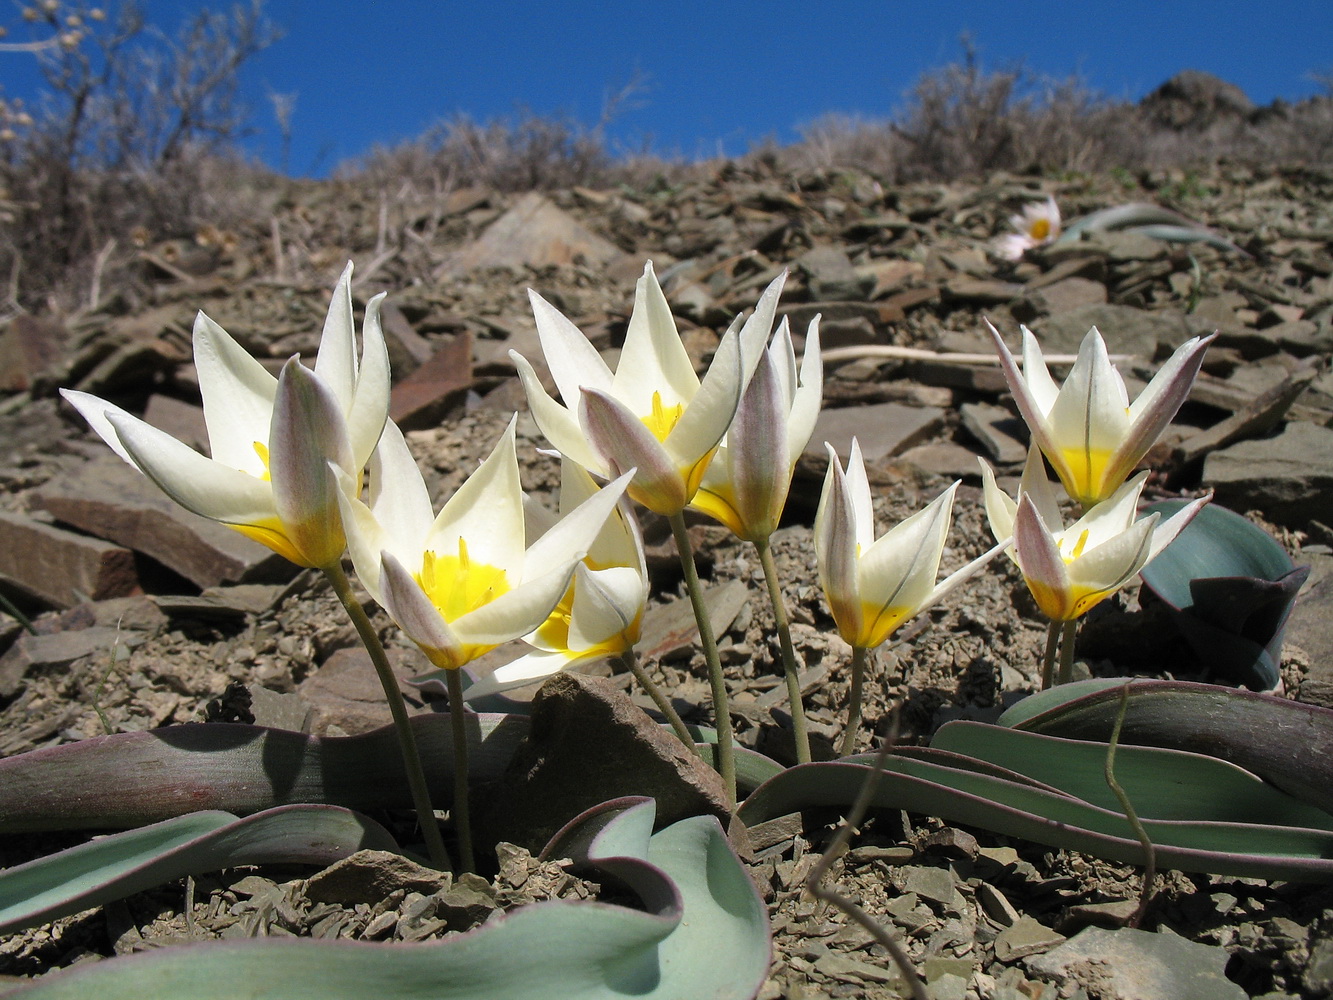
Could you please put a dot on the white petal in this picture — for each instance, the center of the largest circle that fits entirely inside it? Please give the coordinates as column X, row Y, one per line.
column 570, row 538
column 1092, row 412
column 370, row 401
column 196, row 483
column 238, row 397
column 710, row 412
column 899, row 569
column 1035, row 484
column 486, row 511
column 754, row 334
column 96, row 410
column 1000, row 506
column 398, row 495
column 653, row 358
column 858, row 493
column 808, row 397
column 367, row 542
column 835, row 548
column 1036, row 375
column 559, row 424
column 535, row 666
column 1112, row 516
column 572, row 359
column 336, row 360
column 606, row 603
column 1114, row 562
column 625, row 443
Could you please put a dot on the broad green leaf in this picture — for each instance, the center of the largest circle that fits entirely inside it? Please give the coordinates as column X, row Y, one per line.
column 1230, row 586
column 125, row 863
column 704, row 934
column 1286, row 743
column 1021, row 809
column 1161, row 783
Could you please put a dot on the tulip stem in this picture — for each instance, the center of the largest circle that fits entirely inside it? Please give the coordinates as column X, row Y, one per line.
column 859, row 656
column 1149, row 850
column 407, row 743
column 789, row 665
column 1067, row 651
column 726, row 757
column 462, row 808
column 1048, row 661
column 630, row 662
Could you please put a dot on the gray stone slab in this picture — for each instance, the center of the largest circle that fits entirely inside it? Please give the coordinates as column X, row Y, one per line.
column 1289, row 477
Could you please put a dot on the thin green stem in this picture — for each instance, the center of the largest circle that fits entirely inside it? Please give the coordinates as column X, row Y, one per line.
column 726, row 757
column 630, row 662
column 1150, row 852
column 407, row 742
column 859, row 656
column 789, row 665
column 1069, row 631
column 1048, row 661
column 462, row 810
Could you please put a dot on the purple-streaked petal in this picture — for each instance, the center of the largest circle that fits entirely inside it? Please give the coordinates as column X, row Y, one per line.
column 409, row 606
column 624, row 443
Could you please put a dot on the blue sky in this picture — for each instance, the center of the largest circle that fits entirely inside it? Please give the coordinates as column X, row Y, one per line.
column 719, row 75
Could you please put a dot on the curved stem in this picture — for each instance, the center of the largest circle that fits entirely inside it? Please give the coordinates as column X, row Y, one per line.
column 1067, row 651
column 1048, row 660
column 462, row 809
column 407, row 742
column 631, row 663
column 859, row 657
column 1149, row 850
column 789, row 665
column 726, row 757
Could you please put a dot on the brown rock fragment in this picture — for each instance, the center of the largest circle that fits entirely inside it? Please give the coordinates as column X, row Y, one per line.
column 423, row 398
column 589, row 743
column 61, row 567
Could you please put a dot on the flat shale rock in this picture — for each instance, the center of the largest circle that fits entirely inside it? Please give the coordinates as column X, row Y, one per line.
column 1128, row 964
column 590, row 743
column 61, row 567
column 1125, row 329
column 534, row 233
column 1289, row 476
column 882, row 429
column 345, row 693
column 110, row 500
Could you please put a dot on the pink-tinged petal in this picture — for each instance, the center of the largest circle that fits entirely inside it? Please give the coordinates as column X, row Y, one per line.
column 1158, row 404
column 238, row 397
column 198, row 484
column 409, row 606
column 528, row 669
column 625, row 443
column 1165, row 533
column 573, row 535
column 836, row 550
column 516, row 612
column 1029, row 387
column 370, row 401
column 808, row 397
column 572, row 359
column 709, row 414
column 487, row 511
column 1040, row 562
column 398, row 495
column 757, row 453
column 336, row 361
column 608, row 604
column 1000, row 506
column 558, row 424
column 307, row 434
column 654, row 358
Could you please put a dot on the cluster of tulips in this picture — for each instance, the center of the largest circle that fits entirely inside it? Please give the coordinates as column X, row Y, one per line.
column 309, row 464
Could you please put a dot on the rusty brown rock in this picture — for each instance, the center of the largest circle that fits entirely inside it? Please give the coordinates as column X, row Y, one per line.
column 28, row 347
column 345, row 693
column 62, row 567
column 589, row 743
column 113, row 501
column 423, row 398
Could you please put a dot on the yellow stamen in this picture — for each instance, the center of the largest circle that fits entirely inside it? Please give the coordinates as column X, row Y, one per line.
column 663, row 419
column 261, row 450
column 1040, row 229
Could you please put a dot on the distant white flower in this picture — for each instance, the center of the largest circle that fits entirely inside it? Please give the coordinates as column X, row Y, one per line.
column 1037, row 225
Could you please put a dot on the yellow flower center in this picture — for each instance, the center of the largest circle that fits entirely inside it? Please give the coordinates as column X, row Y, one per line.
column 879, row 623
column 663, row 419
column 1087, row 473
column 456, row 585
column 554, row 632
column 1040, row 229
